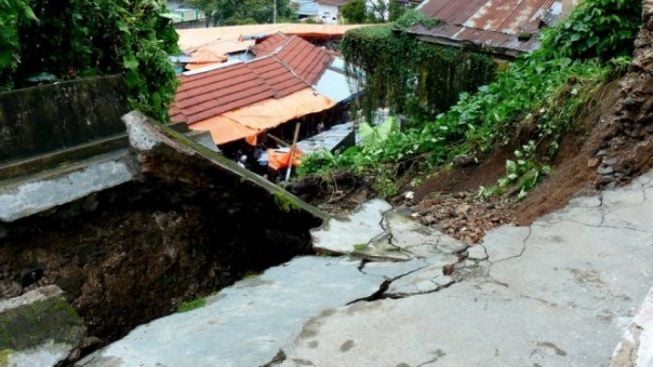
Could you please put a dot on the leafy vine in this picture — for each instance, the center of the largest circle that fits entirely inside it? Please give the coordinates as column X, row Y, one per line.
column 45, row 41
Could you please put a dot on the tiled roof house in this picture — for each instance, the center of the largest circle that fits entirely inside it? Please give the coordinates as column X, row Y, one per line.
column 241, row 99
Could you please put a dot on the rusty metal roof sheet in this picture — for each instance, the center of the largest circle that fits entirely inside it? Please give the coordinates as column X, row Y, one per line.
column 490, row 23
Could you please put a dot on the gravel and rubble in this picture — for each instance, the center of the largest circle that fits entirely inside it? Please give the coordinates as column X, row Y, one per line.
column 463, row 215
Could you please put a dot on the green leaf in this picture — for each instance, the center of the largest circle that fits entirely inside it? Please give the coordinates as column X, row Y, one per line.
column 130, row 63
column 123, row 27
column 511, row 166
column 172, row 16
column 29, row 13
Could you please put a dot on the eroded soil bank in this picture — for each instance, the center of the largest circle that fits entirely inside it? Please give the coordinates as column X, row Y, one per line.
column 133, row 253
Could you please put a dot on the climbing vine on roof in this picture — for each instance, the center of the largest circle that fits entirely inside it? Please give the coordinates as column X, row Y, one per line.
column 47, row 41
column 411, row 77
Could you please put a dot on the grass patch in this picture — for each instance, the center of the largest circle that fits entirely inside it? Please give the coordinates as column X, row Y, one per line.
column 361, row 247
column 4, row 357
column 192, row 305
column 285, row 203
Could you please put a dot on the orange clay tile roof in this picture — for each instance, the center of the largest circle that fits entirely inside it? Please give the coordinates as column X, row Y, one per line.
column 304, row 59
column 269, row 44
column 293, row 67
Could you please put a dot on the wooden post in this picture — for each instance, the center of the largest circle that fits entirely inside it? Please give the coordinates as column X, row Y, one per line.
column 292, row 151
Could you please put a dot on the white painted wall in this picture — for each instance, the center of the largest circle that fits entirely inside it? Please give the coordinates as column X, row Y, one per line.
column 328, row 14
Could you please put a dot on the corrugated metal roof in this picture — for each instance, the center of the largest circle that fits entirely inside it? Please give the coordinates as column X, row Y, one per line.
column 294, row 66
column 491, row 23
column 334, row 83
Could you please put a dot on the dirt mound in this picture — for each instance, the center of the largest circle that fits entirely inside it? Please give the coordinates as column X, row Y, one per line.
column 612, row 142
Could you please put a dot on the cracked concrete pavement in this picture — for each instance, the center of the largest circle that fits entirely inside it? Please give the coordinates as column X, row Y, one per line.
column 560, row 292
column 565, row 291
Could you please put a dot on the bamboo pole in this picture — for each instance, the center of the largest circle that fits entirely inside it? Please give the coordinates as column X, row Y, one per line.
column 292, row 151
column 278, row 140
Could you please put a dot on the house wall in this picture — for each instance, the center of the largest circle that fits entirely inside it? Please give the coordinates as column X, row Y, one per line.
column 328, row 14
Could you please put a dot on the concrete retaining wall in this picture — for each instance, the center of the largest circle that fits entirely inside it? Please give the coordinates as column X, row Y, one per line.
column 41, row 119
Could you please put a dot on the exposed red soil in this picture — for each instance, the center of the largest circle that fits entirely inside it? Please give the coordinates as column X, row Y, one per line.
column 449, row 201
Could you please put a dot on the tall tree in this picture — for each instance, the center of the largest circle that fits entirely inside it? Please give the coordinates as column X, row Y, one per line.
column 231, row 12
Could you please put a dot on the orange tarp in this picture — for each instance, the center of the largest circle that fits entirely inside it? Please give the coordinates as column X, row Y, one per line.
column 217, row 51
column 203, row 65
column 207, row 54
column 274, row 112
column 267, row 114
column 280, row 160
column 192, row 39
column 223, row 130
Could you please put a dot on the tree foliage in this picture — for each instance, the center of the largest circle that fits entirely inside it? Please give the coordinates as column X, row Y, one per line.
column 57, row 40
column 13, row 13
column 355, row 12
column 234, row 12
column 374, row 11
column 598, row 28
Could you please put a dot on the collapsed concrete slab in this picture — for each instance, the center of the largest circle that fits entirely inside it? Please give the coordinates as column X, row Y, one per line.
column 375, row 231
column 39, row 328
column 254, row 321
column 346, row 234
column 244, row 325
column 186, row 223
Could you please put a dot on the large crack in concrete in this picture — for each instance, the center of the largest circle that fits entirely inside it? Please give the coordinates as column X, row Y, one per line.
column 477, row 270
column 477, row 279
column 521, row 253
column 384, row 286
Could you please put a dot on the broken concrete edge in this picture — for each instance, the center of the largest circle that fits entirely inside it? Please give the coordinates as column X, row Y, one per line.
column 145, row 133
column 39, row 328
column 636, row 346
column 350, row 249
column 23, row 197
column 38, row 294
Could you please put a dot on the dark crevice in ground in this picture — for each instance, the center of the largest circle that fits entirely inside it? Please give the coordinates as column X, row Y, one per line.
column 134, row 253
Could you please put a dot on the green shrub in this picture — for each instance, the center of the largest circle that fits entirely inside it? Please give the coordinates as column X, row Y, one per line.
column 540, row 93
column 411, row 77
column 81, row 38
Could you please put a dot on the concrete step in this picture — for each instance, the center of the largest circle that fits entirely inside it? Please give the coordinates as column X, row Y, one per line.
column 51, row 160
